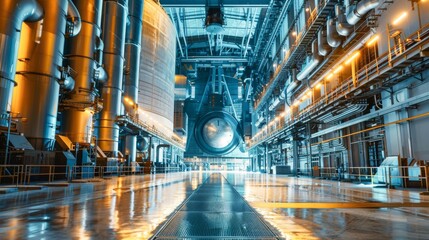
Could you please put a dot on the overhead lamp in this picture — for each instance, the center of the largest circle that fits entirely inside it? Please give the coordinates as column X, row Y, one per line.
column 338, row 69
column 329, row 76
column 399, row 18
column 372, row 41
column 352, row 58
column 214, row 21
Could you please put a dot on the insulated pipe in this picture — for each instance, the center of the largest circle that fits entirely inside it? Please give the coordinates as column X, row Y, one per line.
column 334, row 40
column 73, row 17
column 132, row 63
column 114, row 29
column 356, row 12
column 80, row 55
column 342, row 26
column 38, row 73
column 315, row 60
column 323, row 45
column 14, row 13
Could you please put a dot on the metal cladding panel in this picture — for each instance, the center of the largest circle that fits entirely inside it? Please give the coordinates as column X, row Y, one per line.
column 157, row 67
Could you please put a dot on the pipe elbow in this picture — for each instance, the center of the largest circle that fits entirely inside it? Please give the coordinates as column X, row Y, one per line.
column 355, row 13
column 101, row 75
column 333, row 38
column 73, row 17
column 29, row 10
column 342, row 26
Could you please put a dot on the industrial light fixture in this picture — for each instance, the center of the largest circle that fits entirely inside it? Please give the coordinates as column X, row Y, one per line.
column 352, row 58
column 214, row 21
column 372, row 41
column 400, row 18
column 338, row 69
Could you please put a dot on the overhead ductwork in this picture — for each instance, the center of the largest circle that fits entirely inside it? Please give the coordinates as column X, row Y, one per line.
column 292, row 86
column 278, row 99
column 315, row 60
column 259, row 121
column 132, row 63
column 334, row 39
column 347, row 111
column 114, row 30
column 323, row 45
column 342, row 26
column 81, row 55
column 38, row 74
column 356, row 12
column 14, row 13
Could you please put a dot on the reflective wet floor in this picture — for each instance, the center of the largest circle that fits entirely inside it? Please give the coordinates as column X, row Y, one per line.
column 137, row 207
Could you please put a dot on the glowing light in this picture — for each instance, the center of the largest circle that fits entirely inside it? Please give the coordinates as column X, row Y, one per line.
column 372, row 41
column 296, row 103
column 318, row 86
column 307, row 9
column 400, row 18
column 339, row 68
column 352, row 58
column 294, row 33
column 329, row 76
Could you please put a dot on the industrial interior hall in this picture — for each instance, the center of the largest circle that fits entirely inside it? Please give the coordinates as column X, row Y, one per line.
column 214, row 119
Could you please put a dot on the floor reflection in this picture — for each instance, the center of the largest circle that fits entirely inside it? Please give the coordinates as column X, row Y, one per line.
column 338, row 223
column 126, row 207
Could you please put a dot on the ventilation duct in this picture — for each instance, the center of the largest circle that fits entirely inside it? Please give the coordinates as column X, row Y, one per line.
column 14, row 13
column 334, row 40
column 342, row 26
column 323, row 45
column 315, row 60
column 356, row 12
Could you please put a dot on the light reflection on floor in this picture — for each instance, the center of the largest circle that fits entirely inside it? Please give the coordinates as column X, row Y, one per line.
column 124, row 208
column 338, row 223
column 134, row 207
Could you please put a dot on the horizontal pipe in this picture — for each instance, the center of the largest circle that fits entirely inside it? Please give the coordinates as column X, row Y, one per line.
column 356, row 12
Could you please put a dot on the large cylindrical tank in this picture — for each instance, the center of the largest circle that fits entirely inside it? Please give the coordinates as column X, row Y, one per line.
column 35, row 98
column 81, row 55
column 157, row 66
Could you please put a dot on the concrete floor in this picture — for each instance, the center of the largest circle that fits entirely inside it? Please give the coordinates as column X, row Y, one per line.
column 134, row 207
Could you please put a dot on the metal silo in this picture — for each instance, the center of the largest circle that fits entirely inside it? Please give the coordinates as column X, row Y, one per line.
column 157, row 66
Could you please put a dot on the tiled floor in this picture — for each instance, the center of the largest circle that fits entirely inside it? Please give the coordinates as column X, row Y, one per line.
column 134, row 207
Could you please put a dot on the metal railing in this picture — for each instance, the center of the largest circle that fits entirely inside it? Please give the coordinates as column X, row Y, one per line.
column 363, row 76
column 391, row 176
column 26, row 174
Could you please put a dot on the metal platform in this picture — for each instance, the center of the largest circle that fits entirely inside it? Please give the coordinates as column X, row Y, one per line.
column 215, row 211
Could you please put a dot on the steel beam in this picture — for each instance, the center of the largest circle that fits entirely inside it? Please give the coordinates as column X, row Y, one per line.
column 226, row 3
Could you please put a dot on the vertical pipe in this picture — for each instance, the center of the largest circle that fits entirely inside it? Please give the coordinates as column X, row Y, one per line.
column 113, row 26
column 80, row 54
column 132, row 63
column 14, row 13
column 40, row 56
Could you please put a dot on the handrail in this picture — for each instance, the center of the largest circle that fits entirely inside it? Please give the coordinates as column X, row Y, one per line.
column 372, row 69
